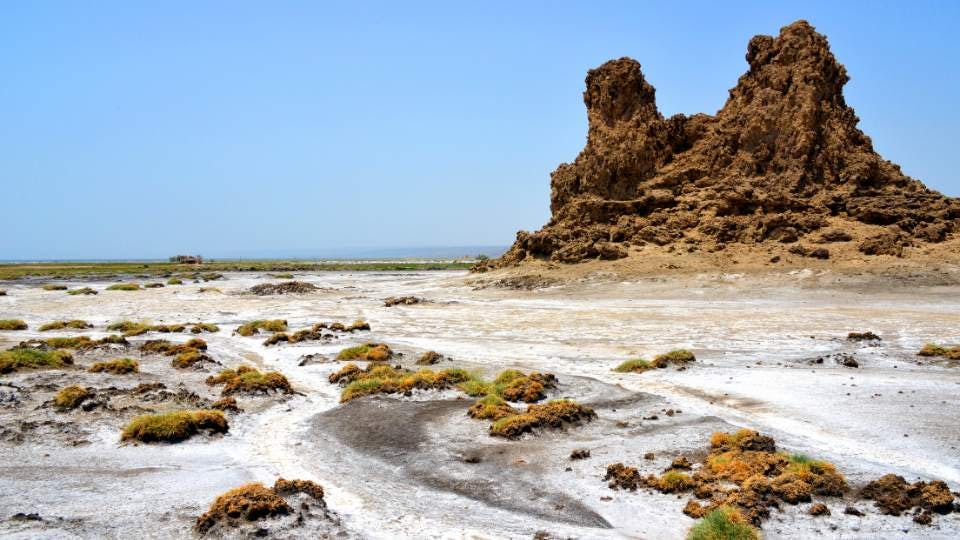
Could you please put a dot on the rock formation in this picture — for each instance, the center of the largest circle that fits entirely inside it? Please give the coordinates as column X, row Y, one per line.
column 782, row 161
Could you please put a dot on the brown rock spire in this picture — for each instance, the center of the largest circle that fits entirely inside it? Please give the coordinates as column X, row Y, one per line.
column 782, row 158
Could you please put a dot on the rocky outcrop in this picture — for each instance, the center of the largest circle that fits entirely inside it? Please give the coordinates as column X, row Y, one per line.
column 780, row 161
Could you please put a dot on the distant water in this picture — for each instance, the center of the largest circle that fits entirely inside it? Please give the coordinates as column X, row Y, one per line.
column 347, row 253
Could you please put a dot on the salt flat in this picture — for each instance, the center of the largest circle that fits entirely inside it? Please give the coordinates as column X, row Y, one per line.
column 394, row 466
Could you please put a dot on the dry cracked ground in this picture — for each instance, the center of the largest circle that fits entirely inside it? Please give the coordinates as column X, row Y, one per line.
column 519, row 427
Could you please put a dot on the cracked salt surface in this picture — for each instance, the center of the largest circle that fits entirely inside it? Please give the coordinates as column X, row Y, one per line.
column 394, row 467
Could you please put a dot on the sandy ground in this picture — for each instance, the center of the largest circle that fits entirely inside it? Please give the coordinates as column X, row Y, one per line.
column 396, row 468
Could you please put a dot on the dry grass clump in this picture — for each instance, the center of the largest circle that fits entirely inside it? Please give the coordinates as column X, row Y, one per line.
column 931, row 349
column 167, row 348
column 153, row 286
column 191, row 358
column 553, row 415
column 763, row 475
column 201, row 327
column 491, row 407
column 209, row 290
column 174, row 426
column 54, row 287
column 677, row 357
column 370, row 352
column 254, row 327
column 512, row 385
column 384, row 379
column 120, row 366
column 12, row 324
column 70, row 397
column 255, row 501
column 429, row 358
column 130, row 328
column 226, row 404
column 315, row 332
column 174, row 281
column 60, row 325
column 124, row 287
column 620, row 476
column 281, row 276
column 894, row 495
column 635, row 365
column 30, row 358
column 286, row 287
column 83, row 290
column 743, row 472
column 81, row 343
column 723, row 523
column 247, row 380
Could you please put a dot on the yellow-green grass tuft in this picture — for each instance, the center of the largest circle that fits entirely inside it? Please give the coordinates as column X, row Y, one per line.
column 635, row 365
column 124, row 287
column 174, row 426
column 174, row 281
column 553, row 414
column 60, row 325
column 200, row 327
column 724, row 523
column 932, row 349
column 190, row 358
column 676, row 356
column 71, row 397
column 247, row 380
column 120, row 366
column 12, row 324
column 28, row 358
column 371, row 352
column 83, row 290
column 254, row 327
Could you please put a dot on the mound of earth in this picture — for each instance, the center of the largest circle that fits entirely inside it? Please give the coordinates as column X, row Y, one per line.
column 782, row 162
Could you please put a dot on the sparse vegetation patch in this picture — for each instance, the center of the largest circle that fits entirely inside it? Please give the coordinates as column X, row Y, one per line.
column 932, row 349
column 247, row 380
column 60, row 325
column 70, row 397
column 83, row 290
column 167, row 348
column 174, row 426
column 120, row 366
column 54, row 287
column 723, row 523
column 286, row 287
column 371, row 352
column 124, row 287
column 252, row 502
column 254, row 327
column 551, row 415
column 379, row 378
column 12, row 324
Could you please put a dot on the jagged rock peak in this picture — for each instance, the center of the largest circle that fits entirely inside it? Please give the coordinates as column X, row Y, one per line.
column 783, row 162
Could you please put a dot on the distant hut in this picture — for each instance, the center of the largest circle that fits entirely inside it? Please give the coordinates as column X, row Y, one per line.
column 187, row 259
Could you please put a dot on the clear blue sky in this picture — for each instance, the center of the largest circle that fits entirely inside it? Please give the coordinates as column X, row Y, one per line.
column 143, row 129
